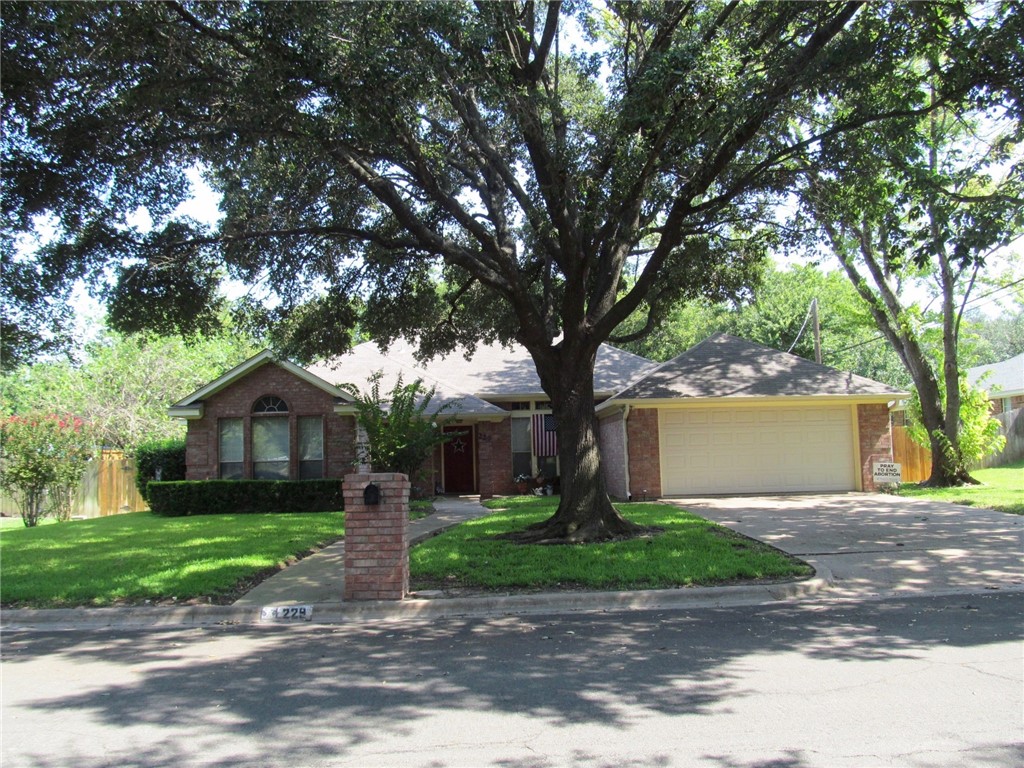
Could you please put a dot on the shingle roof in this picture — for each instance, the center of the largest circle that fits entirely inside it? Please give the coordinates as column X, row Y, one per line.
column 492, row 371
column 1006, row 377
column 726, row 366
column 363, row 360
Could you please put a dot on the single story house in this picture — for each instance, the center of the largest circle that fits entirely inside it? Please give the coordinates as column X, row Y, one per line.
column 1004, row 382
column 726, row 416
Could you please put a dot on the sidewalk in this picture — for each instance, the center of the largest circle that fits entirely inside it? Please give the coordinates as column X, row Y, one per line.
column 320, row 578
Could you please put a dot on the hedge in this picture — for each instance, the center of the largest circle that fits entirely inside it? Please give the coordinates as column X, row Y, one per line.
column 221, row 497
column 165, row 458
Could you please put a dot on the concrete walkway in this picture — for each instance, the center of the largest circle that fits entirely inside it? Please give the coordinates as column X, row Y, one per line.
column 320, row 578
column 877, row 545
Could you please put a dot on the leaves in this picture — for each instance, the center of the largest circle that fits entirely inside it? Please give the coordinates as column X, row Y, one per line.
column 401, row 427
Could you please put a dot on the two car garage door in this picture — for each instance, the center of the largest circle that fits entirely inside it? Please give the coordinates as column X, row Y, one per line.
column 756, row 450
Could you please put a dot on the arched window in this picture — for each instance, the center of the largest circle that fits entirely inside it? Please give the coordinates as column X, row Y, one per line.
column 270, row 404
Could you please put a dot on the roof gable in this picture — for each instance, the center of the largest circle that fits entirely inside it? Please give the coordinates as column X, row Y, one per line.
column 724, row 366
column 244, row 369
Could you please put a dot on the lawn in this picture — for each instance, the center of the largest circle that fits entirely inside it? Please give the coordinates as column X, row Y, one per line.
column 136, row 557
column 1001, row 489
column 689, row 551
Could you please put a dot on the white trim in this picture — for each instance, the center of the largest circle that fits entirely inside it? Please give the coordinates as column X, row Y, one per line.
column 186, row 411
column 747, row 401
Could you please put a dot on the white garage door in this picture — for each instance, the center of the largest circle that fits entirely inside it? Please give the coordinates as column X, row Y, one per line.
column 756, row 450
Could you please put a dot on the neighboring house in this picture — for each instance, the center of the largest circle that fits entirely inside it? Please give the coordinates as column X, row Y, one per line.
column 1004, row 382
column 726, row 416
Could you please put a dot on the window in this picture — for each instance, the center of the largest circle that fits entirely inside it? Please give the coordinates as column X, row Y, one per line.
column 311, row 447
column 269, row 403
column 522, row 457
column 230, row 449
column 270, row 448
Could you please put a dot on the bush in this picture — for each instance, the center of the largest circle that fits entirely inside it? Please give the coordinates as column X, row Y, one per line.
column 159, row 460
column 42, row 460
column 220, row 497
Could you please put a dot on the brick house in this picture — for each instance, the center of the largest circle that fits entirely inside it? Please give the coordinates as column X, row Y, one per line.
column 726, row 416
column 1004, row 381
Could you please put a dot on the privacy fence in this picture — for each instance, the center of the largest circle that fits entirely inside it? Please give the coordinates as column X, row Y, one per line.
column 107, row 488
column 916, row 461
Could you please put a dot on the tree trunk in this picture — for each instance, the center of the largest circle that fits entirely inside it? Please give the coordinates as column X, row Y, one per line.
column 585, row 513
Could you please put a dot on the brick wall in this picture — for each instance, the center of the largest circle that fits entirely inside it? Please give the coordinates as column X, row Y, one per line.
column 236, row 401
column 644, row 456
column 613, row 455
column 376, row 538
column 875, row 440
column 494, row 458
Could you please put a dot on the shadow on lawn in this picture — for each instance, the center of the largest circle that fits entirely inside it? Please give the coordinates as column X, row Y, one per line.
column 333, row 689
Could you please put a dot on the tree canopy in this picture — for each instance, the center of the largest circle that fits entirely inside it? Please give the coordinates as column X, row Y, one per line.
column 522, row 153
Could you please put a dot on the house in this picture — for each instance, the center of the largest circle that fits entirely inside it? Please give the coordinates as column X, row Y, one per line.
column 727, row 416
column 1004, row 381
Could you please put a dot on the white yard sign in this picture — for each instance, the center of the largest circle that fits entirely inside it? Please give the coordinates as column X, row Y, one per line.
column 887, row 472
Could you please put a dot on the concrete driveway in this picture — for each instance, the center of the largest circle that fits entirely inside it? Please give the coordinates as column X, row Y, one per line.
column 876, row 545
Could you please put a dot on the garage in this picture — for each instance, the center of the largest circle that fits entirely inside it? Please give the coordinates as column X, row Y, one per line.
column 715, row 450
column 730, row 416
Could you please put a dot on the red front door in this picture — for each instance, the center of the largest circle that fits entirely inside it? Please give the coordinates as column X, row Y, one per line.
column 459, row 469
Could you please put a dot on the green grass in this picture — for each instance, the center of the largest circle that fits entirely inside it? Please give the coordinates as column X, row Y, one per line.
column 420, row 509
column 1001, row 489
column 690, row 551
column 136, row 557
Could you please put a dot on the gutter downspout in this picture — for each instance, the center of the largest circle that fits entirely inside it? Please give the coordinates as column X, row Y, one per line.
column 625, row 449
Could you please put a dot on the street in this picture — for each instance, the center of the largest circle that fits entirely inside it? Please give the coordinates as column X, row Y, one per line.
column 922, row 682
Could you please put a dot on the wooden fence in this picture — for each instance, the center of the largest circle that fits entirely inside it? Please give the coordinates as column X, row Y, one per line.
column 107, row 488
column 917, row 460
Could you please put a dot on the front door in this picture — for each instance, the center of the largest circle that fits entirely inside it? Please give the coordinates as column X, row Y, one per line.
column 459, row 470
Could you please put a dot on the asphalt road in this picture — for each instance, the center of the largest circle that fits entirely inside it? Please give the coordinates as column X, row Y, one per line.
column 919, row 681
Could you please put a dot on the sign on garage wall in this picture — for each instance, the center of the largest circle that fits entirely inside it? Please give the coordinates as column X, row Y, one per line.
column 887, row 472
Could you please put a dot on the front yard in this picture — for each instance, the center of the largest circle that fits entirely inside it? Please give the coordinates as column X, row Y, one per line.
column 690, row 551
column 139, row 557
column 1001, row 489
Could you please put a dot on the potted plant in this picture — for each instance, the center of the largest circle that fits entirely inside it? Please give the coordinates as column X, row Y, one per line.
column 522, row 482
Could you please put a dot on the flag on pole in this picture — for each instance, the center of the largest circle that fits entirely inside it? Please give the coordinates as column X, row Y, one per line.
column 545, row 439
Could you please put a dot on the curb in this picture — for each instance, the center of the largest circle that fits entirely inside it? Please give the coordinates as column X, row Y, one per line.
column 412, row 608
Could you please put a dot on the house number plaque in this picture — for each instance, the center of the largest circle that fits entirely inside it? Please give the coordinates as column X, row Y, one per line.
column 286, row 613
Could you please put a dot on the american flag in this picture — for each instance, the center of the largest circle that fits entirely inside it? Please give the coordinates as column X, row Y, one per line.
column 545, row 439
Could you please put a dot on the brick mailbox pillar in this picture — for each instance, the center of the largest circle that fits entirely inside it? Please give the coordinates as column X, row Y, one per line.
column 376, row 537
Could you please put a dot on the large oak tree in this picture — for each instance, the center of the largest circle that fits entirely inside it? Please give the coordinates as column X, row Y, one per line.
column 368, row 152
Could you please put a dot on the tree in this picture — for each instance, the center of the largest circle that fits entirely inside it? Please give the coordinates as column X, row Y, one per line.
column 125, row 384
column 44, row 456
column 363, row 151
column 401, row 428
column 932, row 207
column 978, row 434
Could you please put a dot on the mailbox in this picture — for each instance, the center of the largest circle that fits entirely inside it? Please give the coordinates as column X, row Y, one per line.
column 371, row 495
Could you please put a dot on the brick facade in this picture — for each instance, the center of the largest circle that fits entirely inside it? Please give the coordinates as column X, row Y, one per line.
column 875, row 440
column 494, row 458
column 644, row 453
column 236, row 401
column 376, row 538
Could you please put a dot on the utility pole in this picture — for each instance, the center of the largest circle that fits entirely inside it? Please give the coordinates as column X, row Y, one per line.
column 817, row 331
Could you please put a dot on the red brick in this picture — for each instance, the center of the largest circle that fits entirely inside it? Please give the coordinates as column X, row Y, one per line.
column 875, row 439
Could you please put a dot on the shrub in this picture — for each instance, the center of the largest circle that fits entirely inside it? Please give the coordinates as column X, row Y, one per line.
column 159, row 460
column 220, row 497
column 42, row 461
